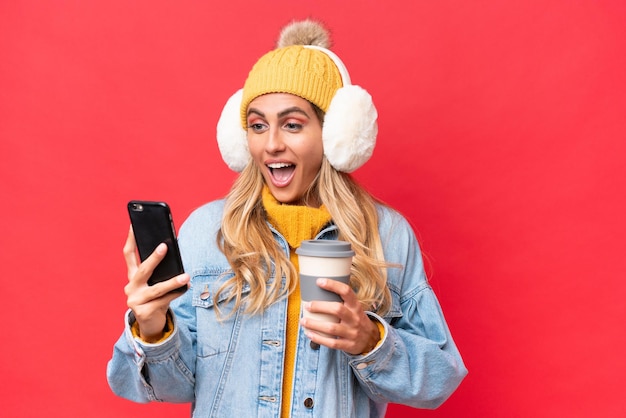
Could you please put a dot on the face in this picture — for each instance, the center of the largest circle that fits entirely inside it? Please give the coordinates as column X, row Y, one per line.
column 285, row 141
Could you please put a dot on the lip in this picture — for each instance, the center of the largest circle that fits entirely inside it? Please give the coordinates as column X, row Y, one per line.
column 283, row 182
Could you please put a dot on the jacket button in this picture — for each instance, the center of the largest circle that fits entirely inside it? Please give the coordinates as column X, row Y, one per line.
column 314, row 346
column 308, row 403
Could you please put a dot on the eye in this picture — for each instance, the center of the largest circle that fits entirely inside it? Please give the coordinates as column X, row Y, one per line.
column 293, row 126
column 257, row 127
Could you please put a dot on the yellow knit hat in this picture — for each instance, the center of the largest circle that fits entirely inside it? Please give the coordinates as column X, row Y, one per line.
column 305, row 72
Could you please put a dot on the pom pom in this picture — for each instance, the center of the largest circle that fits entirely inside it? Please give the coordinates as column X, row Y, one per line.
column 305, row 32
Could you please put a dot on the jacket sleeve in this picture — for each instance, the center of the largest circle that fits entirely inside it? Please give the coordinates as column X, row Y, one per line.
column 143, row 372
column 418, row 363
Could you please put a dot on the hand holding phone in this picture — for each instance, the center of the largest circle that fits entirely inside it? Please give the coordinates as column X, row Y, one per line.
column 152, row 225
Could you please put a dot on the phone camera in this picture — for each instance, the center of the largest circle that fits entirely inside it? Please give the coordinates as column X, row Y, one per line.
column 137, row 207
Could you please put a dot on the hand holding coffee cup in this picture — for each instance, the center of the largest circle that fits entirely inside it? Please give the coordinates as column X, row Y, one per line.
column 323, row 259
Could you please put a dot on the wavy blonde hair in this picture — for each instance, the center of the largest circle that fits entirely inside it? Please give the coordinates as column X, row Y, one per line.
column 259, row 263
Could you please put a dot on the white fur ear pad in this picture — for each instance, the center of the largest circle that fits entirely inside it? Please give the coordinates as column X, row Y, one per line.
column 350, row 129
column 231, row 137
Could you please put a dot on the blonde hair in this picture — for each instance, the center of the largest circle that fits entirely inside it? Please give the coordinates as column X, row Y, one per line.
column 260, row 264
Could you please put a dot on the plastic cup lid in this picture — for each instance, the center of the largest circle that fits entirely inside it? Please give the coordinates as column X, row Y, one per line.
column 325, row 248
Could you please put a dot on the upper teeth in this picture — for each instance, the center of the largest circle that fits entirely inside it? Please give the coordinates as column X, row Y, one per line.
column 279, row 165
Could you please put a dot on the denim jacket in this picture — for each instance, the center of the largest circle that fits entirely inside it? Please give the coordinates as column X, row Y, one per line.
column 234, row 367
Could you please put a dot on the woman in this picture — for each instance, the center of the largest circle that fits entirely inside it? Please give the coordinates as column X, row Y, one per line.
column 234, row 344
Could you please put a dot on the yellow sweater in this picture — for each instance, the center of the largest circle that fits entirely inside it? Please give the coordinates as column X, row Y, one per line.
column 296, row 224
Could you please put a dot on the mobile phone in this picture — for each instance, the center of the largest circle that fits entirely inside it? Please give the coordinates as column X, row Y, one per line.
column 153, row 224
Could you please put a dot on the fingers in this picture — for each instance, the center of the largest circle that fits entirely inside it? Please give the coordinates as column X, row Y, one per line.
column 130, row 253
column 353, row 338
column 344, row 291
column 353, row 332
column 137, row 290
column 133, row 264
column 334, row 311
column 149, row 264
column 164, row 290
column 150, row 304
column 140, row 271
column 140, row 294
column 345, row 311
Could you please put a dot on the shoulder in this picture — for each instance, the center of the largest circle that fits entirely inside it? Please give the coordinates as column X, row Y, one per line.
column 397, row 236
column 203, row 222
column 197, row 237
column 205, row 217
column 392, row 221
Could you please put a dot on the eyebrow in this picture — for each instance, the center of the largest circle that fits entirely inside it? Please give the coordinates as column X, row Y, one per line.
column 282, row 113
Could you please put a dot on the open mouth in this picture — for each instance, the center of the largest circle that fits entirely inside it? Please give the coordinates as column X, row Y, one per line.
column 281, row 173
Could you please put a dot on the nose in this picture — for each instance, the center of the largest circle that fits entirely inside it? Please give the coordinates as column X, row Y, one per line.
column 275, row 141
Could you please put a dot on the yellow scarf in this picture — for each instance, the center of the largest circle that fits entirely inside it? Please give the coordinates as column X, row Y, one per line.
column 296, row 224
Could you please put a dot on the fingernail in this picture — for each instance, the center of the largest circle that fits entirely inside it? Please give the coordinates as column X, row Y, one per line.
column 321, row 282
column 307, row 305
column 162, row 248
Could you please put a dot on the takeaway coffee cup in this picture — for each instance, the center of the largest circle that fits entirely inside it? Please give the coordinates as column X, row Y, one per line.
column 323, row 259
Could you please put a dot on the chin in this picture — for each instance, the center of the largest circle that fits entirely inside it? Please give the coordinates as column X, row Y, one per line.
column 284, row 197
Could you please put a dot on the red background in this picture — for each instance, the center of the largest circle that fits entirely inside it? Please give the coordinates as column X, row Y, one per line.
column 502, row 139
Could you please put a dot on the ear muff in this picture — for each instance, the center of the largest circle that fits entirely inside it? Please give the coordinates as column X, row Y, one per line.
column 349, row 131
column 231, row 137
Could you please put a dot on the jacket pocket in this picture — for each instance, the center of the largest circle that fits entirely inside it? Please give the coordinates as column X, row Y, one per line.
column 214, row 327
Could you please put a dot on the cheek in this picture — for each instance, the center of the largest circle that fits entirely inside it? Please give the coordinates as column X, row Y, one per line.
column 253, row 148
column 314, row 159
column 314, row 148
column 317, row 153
